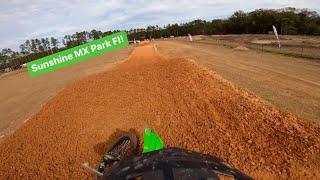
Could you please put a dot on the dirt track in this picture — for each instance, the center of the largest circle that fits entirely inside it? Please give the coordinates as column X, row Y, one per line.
column 22, row 96
column 186, row 104
column 286, row 83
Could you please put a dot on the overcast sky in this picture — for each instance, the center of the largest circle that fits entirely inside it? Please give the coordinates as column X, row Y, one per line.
column 21, row 19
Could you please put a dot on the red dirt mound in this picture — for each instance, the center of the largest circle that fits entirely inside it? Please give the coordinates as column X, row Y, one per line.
column 186, row 104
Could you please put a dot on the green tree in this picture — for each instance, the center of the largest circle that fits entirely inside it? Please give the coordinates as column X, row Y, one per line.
column 54, row 43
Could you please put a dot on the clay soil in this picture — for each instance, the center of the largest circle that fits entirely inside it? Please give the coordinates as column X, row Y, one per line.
column 188, row 105
column 22, row 96
column 286, row 83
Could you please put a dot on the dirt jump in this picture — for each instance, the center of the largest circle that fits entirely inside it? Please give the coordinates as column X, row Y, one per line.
column 189, row 107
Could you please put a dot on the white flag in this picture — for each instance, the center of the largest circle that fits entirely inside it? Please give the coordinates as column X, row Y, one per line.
column 276, row 33
column 190, row 37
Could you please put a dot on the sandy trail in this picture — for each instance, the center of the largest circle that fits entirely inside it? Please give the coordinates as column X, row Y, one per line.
column 286, row 83
column 22, row 96
column 186, row 104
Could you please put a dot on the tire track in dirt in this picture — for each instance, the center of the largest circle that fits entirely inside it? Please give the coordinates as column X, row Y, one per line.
column 186, row 104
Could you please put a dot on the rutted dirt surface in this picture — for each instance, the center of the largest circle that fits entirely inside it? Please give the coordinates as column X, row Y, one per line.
column 21, row 96
column 286, row 83
column 188, row 105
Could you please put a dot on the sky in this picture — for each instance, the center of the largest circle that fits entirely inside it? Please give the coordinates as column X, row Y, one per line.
column 21, row 20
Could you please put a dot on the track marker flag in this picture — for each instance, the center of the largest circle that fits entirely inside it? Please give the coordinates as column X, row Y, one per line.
column 276, row 33
column 190, row 37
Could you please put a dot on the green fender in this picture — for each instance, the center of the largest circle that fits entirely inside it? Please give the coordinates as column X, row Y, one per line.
column 152, row 141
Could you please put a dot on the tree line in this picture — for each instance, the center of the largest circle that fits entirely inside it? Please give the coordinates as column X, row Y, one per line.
column 289, row 21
